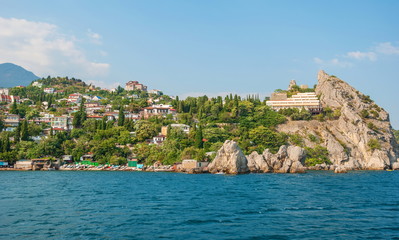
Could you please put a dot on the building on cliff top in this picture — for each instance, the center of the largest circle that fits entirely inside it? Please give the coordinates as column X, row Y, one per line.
column 308, row 101
column 135, row 85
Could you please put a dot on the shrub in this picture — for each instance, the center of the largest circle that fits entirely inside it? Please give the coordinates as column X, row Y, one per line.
column 317, row 155
column 313, row 138
column 372, row 126
column 364, row 113
column 296, row 139
column 374, row 144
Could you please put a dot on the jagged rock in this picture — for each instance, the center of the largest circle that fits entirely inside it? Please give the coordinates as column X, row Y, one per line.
column 347, row 137
column 257, row 162
column 395, row 166
column 287, row 160
column 340, row 169
column 292, row 84
column 229, row 159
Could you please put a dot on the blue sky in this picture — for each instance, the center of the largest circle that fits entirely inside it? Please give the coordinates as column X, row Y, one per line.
column 208, row 47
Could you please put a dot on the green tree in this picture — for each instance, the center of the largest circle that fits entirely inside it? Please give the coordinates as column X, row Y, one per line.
column 264, row 138
column 145, row 130
column 317, row 155
column 24, row 131
column 121, row 118
column 198, row 138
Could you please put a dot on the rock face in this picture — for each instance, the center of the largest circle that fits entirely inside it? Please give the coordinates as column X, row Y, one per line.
column 229, row 159
column 288, row 160
column 360, row 134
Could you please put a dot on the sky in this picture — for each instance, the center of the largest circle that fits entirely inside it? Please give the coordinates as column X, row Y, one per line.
column 192, row 48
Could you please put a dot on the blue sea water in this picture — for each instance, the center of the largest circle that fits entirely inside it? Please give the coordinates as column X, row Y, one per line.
column 140, row 205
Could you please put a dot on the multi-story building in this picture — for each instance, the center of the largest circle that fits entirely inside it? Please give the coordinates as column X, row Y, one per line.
column 135, row 85
column 9, row 98
column 75, row 98
column 158, row 110
column 4, row 91
column 49, row 90
column 308, row 101
column 61, row 122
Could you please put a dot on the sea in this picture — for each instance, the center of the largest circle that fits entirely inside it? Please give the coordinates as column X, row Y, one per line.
column 144, row 205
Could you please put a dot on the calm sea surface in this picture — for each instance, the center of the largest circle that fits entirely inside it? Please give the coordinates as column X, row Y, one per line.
column 139, row 205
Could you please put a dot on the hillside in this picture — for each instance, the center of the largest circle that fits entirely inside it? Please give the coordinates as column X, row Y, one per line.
column 361, row 137
column 12, row 75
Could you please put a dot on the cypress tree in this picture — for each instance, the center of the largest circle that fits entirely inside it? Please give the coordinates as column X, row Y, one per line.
column 198, row 138
column 17, row 133
column 24, row 131
column 121, row 118
column 6, row 144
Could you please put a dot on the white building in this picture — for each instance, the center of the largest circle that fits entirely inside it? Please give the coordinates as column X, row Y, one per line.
column 49, row 90
column 37, row 84
column 308, row 101
column 4, row 91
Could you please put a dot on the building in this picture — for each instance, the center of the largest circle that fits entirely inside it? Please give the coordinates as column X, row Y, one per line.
column 4, row 91
column 49, row 90
column 158, row 110
column 9, row 98
column 155, row 91
column 23, row 164
column 37, row 84
column 11, row 121
column 135, row 85
column 75, row 98
column 158, row 139
column 3, row 164
column 67, row 159
column 184, row 127
column 191, row 164
column 61, row 122
column 308, row 101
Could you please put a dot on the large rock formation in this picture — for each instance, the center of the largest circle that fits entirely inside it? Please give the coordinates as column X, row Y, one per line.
column 288, row 160
column 229, row 159
column 360, row 136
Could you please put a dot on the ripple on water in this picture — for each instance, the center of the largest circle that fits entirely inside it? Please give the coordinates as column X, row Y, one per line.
column 128, row 205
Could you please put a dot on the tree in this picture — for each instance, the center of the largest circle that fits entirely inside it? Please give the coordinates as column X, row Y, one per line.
column 121, row 118
column 264, row 138
column 145, row 130
column 24, row 131
column 198, row 138
column 14, row 108
column 317, row 155
column 1, row 124
column 80, row 116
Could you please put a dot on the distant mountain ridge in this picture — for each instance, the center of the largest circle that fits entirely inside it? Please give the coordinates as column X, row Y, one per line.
column 12, row 75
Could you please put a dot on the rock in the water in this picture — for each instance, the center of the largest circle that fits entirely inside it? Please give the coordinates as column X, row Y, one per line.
column 257, row 162
column 229, row 159
column 288, row 160
column 395, row 166
column 340, row 169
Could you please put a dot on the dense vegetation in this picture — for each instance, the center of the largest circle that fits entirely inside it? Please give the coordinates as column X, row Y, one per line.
column 249, row 121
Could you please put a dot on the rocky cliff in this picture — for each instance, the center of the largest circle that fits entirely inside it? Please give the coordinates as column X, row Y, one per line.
column 360, row 136
column 229, row 159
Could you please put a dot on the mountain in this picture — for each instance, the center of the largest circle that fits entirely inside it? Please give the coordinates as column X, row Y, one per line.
column 12, row 75
column 361, row 137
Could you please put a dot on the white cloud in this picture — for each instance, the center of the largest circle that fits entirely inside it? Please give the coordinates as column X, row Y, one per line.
column 387, row 48
column 42, row 49
column 332, row 62
column 94, row 37
column 372, row 56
